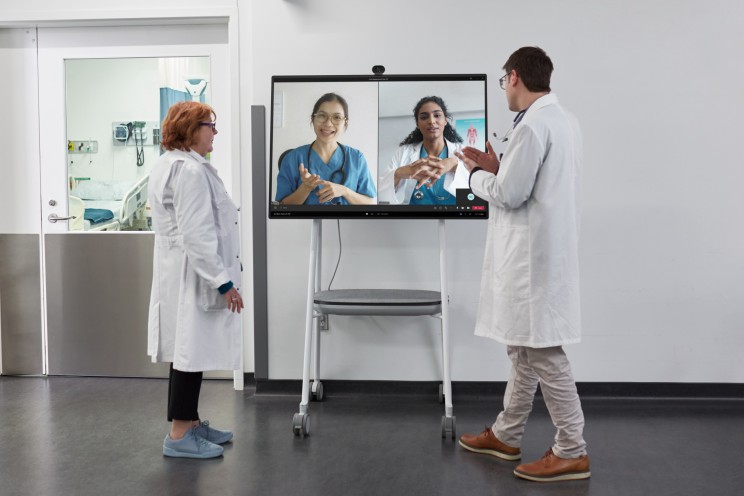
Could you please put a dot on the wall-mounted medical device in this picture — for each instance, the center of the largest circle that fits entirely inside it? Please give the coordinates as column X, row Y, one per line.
column 136, row 133
column 121, row 132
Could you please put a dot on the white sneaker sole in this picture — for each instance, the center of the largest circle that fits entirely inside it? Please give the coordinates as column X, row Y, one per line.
column 497, row 454
column 556, row 478
column 185, row 454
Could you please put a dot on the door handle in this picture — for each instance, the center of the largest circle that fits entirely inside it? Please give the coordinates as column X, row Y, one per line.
column 53, row 218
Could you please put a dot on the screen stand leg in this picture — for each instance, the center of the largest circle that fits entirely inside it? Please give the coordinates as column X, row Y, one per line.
column 316, row 390
column 314, row 248
column 448, row 420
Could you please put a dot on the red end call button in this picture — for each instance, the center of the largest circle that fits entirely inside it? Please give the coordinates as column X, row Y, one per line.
column 478, row 207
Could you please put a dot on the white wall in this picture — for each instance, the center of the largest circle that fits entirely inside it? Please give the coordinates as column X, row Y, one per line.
column 19, row 167
column 99, row 92
column 654, row 85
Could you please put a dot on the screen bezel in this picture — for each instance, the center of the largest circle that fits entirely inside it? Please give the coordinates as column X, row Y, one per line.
column 277, row 211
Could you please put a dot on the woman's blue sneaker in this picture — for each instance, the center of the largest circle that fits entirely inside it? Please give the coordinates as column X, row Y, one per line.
column 216, row 436
column 191, row 446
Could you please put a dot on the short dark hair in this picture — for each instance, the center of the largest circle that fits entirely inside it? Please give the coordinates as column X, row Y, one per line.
column 533, row 66
column 332, row 97
column 449, row 132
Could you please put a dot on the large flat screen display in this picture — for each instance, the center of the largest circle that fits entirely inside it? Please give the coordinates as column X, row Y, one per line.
column 375, row 146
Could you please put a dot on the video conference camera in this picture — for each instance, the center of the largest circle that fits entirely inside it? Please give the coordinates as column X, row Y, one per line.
column 378, row 69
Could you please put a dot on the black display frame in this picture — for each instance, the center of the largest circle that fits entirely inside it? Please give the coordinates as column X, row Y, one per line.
column 474, row 208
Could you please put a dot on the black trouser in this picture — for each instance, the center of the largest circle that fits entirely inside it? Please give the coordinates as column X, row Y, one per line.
column 183, row 394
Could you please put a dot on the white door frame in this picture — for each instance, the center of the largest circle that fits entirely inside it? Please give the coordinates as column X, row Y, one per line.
column 150, row 29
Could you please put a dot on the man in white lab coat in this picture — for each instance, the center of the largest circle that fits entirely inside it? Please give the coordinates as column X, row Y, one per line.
column 530, row 289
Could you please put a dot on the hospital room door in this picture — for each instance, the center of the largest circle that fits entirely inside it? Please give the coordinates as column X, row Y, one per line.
column 102, row 91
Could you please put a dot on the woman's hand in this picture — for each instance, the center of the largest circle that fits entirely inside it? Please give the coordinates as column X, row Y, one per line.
column 234, row 300
column 309, row 181
column 308, row 184
column 423, row 170
column 445, row 164
column 328, row 191
column 426, row 171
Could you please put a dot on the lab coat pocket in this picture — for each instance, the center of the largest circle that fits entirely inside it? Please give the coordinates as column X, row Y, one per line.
column 511, row 272
column 210, row 299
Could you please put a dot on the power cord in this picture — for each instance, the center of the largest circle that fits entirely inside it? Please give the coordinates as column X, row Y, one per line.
column 338, row 226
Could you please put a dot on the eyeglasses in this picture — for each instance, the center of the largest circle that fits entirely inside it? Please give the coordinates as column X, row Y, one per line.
column 502, row 81
column 213, row 125
column 322, row 117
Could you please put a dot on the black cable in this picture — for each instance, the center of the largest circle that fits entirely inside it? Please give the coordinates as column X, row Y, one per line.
column 338, row 224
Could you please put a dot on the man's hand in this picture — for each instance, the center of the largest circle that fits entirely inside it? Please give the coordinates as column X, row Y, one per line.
column 472, row 157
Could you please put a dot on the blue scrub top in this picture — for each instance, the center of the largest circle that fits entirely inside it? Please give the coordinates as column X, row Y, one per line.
column 358, row 177
column 436, row 195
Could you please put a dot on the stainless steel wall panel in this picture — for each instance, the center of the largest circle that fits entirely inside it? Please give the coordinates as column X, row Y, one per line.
column 98, row 294
column 20, row 304
column 98, row 298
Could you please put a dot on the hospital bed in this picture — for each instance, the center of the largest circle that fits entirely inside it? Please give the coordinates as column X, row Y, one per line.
column 124, row 199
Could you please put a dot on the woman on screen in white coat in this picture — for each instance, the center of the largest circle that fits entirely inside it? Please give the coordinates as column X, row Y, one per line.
column 194, row 304
column 424, row 169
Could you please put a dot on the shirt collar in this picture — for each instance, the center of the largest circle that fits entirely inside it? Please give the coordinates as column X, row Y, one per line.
column 543, row 101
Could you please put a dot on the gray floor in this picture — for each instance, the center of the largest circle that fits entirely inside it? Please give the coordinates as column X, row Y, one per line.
column 95, row 436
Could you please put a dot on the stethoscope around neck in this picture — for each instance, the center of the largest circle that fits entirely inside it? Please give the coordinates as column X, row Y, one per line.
column 341, row 170
column 508, row 133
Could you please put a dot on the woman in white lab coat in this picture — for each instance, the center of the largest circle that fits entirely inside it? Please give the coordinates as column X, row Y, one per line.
column 195, row 299
column 425, row 170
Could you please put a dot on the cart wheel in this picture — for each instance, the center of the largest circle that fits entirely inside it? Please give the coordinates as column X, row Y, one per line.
column 441, row 393
column 318, row 394
column 301, row 424
column 448, row 427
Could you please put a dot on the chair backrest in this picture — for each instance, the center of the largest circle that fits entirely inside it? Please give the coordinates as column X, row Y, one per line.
column 281, row 158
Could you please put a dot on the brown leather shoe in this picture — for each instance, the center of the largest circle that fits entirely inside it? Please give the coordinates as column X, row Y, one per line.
column 551, row 468
column 488, row 444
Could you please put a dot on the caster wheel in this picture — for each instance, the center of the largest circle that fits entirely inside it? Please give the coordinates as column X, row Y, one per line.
column 318, row 393
column 441, row 393
column 301, row 424
column 448, row 427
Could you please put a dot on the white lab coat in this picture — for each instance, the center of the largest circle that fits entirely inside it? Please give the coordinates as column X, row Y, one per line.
column 406, row 154
column 197, row 247
column 530, row 287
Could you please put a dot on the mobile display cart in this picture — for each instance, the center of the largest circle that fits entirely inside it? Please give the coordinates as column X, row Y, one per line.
column 369, row 302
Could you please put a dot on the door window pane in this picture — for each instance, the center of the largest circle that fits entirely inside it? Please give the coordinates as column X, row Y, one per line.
column 114, row 110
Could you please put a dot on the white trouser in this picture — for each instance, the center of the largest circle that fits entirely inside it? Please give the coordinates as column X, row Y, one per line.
column 550, row 368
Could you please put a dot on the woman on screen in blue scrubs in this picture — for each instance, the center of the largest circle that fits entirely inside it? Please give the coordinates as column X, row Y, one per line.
column 424, row 169
column 325, row 172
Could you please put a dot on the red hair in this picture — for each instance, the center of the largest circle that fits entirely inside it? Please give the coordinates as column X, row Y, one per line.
column 183, row 122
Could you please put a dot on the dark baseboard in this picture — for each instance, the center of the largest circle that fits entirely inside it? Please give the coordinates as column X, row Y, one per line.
column 472, row 388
